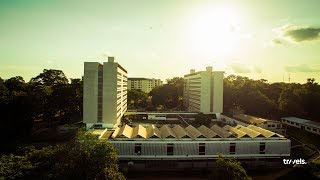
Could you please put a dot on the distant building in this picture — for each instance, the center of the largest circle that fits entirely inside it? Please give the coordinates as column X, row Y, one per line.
column 203, row 91
column 304, row 124
column 104, row 93
column 189, row 146
column 144, row 84
column 243, row 119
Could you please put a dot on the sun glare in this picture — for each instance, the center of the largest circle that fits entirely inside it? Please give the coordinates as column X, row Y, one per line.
column 214, row 31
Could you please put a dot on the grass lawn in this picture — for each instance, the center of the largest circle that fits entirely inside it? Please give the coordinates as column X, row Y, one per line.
column 304, row 136
column 301, row 152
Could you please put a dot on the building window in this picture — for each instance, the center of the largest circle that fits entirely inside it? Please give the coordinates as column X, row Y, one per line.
column 314, row 129
column 262, row 148
column 169, row 149
column 232, row 148
column 202, row 148
column 137, row 148
column 308, row 128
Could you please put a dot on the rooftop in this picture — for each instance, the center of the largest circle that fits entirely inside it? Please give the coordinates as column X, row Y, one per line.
column 178, row 132
column 138, row 79
column 250, row 119
column 303, row 121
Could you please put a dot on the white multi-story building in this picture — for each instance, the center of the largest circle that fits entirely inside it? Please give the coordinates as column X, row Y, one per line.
column 104, row 93
column 144, row 84
column 203, row 91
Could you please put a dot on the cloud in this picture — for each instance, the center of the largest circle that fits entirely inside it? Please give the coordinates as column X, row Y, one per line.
column 298, row 33
column 243, row 69
column 240, row 68
column 301, row 68
column 277, row 41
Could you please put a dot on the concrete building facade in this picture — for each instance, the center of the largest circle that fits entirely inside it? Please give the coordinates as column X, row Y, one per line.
column 203, row 91
column 144, row 84
column 142, row 144
column 104, row 93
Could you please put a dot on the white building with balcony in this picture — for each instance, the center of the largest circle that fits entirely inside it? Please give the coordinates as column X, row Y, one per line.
column 203, row 91
column 144, row 84
column 104, row 93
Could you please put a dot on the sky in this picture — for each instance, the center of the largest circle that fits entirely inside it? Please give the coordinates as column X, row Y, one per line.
column 268, row 39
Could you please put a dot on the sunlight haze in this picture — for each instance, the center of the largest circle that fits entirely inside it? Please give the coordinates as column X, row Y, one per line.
column 162, row 39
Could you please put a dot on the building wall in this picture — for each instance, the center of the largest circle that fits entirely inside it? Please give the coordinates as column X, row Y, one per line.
column 105, row 95
column 206, row 92
column 217, row 97
column 144, row 84
column 203, row 91
column 90, row 92
column 305, row 127
column 158, row 150
column 192, row 92
column 110, row 93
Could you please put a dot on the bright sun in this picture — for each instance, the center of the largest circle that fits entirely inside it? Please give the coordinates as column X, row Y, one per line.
column 213, row 31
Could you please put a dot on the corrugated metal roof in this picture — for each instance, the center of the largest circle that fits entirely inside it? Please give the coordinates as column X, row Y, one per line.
column 194, row 132
column 180, row 132
column 208, row 133
column 264, row 132
column 142, row 131
column 153, row 131
column 130, row 132
column 237, row 132
column 166, row 132
column 221, row 132
column 117, row 132
column 250, row 119
column 250, row 132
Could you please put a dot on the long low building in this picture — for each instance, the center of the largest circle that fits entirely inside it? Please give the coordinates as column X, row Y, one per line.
column 190, row 143
column 244, row 119
column 304, row 124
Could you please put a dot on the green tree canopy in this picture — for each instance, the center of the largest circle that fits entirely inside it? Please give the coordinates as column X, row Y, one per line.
column 226, row 169
column 137, row 98
column 84, row 157
column 50, row 77
column 170, row 94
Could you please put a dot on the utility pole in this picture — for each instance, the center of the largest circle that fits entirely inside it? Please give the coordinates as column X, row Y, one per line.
column 289, row 78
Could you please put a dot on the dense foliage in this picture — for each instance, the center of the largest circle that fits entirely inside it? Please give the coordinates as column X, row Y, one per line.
column 137, row 98
column 84, row 157
column 48, row 98
column 272, row 100
column 169, row 95
column 254, row 97
column 228, row 169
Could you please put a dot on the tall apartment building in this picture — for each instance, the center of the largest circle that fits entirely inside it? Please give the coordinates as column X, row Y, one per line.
column 144, row 84
column 104, row 93
column 203, row 91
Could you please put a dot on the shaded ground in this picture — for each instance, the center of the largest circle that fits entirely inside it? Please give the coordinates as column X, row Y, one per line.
column 259, row 174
